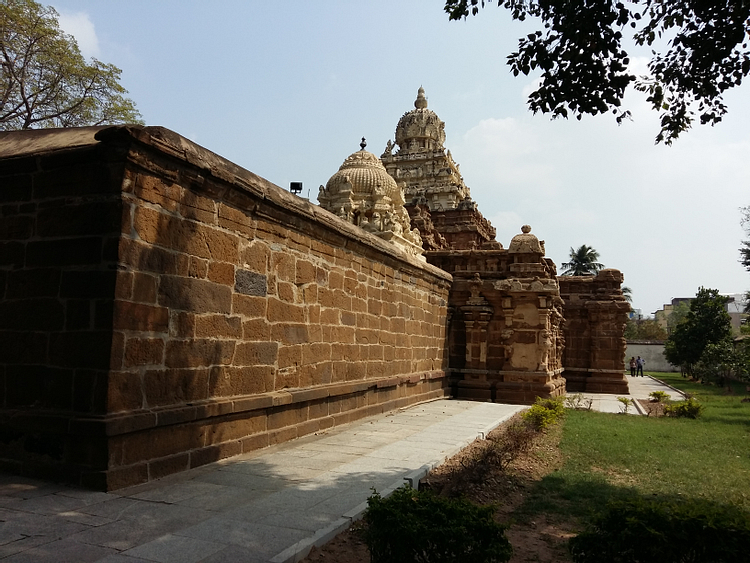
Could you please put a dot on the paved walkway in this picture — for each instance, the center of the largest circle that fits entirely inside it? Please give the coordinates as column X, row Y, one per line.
column 640, row 387
column 269, row 506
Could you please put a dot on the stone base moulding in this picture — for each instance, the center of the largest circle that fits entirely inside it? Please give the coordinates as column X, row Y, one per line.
column 596, row 381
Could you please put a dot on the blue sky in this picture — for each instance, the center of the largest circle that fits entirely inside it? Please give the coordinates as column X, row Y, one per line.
column 287, row 89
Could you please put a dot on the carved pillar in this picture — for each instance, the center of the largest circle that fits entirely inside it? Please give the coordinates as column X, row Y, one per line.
column 477, row 314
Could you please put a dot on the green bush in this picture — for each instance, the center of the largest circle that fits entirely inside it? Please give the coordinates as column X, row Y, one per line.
column 578, row 402
column 414, row 526
column 659, row 396
column 625, row 404
column 650, row 531
column 545, row 412
column 690, row 408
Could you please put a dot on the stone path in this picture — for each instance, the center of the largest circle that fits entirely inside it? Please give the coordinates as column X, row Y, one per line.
column 640, row 387
column 269, row 506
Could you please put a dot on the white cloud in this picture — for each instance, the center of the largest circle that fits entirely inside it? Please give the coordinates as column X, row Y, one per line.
column 665, row 216
column 80, row 26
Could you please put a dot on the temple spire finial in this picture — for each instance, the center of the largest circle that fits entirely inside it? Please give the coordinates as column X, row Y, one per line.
column 421, row 101
column 363, row 144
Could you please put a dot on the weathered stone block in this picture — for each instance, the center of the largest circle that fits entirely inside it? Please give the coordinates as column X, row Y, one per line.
column 158, row 191
column 198, row 267
column 229, row 381
column 251, row 283
column 149, row 258
column 236, row 220
column 256, row 353
column 195, row 296
column 282, row 263
column 305, row 272
column 175, row 386
column 221, row 272
column 288, row 416
column 198, row 353
column 289, row 356
column 144, row 287
column 256, row 329
column 140, row 317
column 288, row 334
column 279, row 311
column 143, row 351
column 214, row 326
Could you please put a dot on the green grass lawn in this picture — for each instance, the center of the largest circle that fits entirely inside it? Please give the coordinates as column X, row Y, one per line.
column 610, row 456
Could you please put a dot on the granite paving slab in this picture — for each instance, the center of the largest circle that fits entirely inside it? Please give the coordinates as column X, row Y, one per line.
column 271, row 505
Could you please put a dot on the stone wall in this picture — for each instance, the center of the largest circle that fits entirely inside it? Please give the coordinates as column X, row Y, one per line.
column 163, row 308
column 595, row 316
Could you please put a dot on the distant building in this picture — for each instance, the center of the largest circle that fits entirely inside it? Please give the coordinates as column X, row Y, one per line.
column 735, row 307
column 662, row 315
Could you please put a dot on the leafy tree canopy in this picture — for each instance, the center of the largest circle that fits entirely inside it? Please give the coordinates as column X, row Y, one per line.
column 647, row 329
column 706, row 323
column 46, row 82
column 723, row 360
column 627, row 293
column 584, row 66
column 745, row 248
column 678, row 314
column 583, row 261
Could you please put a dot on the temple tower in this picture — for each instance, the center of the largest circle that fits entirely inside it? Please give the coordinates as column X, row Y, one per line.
column 363, row 193
column 437, row 198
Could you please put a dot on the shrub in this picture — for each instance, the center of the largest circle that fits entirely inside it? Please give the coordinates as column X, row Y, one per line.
column 516, row 440
column 659, row 396
column 691, row 531
column 689, row 408
column 578, row 402
column 625, row 404
column 545, row 412
column 414, row 526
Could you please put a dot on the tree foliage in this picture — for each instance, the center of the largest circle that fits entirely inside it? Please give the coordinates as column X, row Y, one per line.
column 647, row 329
column 706, row 323
column 745, row 247
column 584, row 65
column 583, row 261
column 677, row 315
column 46, row 82
column 723, row 360
column 627, row 293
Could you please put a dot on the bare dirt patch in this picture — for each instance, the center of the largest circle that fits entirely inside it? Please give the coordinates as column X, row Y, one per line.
column 487, row 477
column 653, row 408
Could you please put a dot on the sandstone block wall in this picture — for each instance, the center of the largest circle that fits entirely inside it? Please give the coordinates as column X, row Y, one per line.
column 504, row 328
column 595, row 316
column 163, row 308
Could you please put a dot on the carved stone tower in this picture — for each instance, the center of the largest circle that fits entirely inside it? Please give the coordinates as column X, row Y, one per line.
column 363, row 193
column 438, row 200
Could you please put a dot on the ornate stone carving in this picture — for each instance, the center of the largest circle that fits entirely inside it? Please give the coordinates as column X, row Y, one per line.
column 363, row 193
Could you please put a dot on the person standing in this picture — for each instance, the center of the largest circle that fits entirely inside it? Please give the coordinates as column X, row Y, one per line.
column 640, row 362
column 632, row 366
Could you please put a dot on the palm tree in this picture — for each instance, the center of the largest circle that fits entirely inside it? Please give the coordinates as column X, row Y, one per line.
column 582, row 262
column 627, row 293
